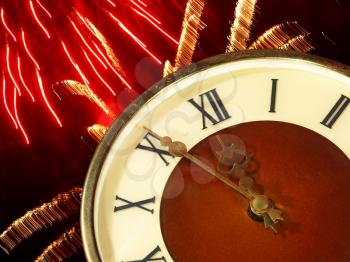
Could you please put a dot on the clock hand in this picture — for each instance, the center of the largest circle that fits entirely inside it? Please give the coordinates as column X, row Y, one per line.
column 179, row 149
column 260, row 205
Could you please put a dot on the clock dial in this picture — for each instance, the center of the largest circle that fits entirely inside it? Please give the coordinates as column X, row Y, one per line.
column 309, row 181
column 246, row 157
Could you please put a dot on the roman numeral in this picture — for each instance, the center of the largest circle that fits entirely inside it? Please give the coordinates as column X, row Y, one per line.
column 216, row 104
column 152, row 148
column 336, row 112
column 273, row 96
column 139, row 204
column 150, row 256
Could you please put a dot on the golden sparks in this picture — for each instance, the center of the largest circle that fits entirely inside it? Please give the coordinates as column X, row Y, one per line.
column 76, row 88
column 192, row 25
column 65, row 247
column 61, row 207
column 97, row 132
column 279, row 35
column 300, row 43
column 109, row 51
column 241, row 27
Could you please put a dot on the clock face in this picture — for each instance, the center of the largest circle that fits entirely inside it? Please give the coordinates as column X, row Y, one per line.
column 242, row 157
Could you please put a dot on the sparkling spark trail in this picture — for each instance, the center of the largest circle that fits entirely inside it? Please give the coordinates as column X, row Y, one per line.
column 40, row 26
column 45, row 99
column 142, row 3
column 6, row 26
column 97, row 132
column 279, row 35
column 17, row 118
column 156, row 26
column 22, row 80
column 76, row 66
column 28, row 52
column 137, row 40
column 5, row 102
column 146, row 12
column 300, row 43
column 98, row 75
column 100, row 37
column 68, row 245
column 241, row 27
column 111, row 3
column 37, row 20
column 191, row 26
column 76, row 88
column 87, row 45
column 111, row 67
column 9, row 69
column 44, row 8
column 58, row 209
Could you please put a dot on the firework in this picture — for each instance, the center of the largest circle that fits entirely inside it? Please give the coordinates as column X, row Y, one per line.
column 77, row 88
column 82, row 45
column 60, row 208
column 241, row 27
column 97, row 132
column 300, row 43
column 66, row 246
column 278, row 35
column 192, row 25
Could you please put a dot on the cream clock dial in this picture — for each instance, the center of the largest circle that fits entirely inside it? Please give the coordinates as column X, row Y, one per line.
column 240, row 157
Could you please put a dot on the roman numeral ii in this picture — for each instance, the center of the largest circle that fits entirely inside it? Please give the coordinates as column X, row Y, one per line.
column 337, row 110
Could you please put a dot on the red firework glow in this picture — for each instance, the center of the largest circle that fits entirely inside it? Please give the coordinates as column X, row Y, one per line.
column 35, row 26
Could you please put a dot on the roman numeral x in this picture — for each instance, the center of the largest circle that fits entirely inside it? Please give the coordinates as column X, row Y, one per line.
column 138, row 204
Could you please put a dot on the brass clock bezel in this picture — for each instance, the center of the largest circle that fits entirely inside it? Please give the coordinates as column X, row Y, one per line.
column 87, row 226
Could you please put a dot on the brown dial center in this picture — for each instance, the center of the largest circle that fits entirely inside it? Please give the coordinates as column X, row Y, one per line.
column 204, row 220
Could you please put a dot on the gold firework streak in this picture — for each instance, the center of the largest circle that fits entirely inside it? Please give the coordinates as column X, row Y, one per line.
column 300, row 43
column 192, row 25
column 279, row 36
column 241, row 27
column 60, row 208
column 109, row 51
column 97, row 132
column 77, row 88
column 65, row 247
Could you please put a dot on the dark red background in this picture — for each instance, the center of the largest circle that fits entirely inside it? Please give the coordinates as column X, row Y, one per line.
column 57, row 159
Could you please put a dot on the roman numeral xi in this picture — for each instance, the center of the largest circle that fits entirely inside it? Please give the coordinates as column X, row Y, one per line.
column 216, row 105
column 163, row 154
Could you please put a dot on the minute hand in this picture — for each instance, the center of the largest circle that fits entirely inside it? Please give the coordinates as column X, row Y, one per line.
column 179, row 149
column 260, row 203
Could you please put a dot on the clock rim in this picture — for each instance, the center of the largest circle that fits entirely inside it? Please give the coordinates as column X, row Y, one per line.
column 92, row 177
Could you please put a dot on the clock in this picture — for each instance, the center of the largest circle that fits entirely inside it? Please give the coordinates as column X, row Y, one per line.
column 243, row 156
